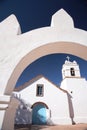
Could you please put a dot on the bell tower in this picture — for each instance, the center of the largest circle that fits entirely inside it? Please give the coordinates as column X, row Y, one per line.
column 70, row 69
column 71, row 76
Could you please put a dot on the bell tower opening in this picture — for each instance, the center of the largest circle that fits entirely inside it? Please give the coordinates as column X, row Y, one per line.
column 72, row 71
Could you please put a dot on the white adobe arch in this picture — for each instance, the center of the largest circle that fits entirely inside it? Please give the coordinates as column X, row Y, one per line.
column 61, row 37
column 50, row 48
column 20, row 50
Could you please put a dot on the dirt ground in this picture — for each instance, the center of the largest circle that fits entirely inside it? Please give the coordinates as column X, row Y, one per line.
column 68, row 127
column 58, row 127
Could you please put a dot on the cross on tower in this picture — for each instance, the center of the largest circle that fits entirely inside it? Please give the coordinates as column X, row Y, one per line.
column 68, row 58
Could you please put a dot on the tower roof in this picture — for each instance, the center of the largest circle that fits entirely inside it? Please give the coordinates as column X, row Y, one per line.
column 68, row 62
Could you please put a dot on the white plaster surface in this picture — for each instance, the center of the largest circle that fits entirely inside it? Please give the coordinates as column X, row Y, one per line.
column 18, row 50
column 76, row 86
column 53, row 97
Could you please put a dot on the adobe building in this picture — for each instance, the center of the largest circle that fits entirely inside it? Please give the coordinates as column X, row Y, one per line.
column 20, row 50
column 48, row 104
column 76, row 86
column 43, row 103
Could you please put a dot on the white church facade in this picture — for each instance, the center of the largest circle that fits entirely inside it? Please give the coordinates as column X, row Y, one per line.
column 42, row 102
column 45, row 100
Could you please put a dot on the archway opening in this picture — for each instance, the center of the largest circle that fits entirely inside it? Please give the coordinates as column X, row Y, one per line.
column 50, row 66
column 39, row 114
column 51, row 48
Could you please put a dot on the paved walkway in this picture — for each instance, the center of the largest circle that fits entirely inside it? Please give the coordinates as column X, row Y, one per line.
column 68, row 127
column 59, row 127
column 33, row 127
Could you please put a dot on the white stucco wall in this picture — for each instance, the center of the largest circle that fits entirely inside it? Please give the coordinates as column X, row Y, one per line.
column 53, row 97
column 77, row 88
column 17, row 50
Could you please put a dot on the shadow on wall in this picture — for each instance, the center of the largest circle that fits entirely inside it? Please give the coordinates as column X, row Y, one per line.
column 23, row 114
column 23, row 118
column 71, row 109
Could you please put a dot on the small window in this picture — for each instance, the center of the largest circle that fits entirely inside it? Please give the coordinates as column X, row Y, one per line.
column 72, row 72
column 39, row 90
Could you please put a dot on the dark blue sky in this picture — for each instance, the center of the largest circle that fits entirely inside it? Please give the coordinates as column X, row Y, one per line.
column 50, row 66
column 33, row 14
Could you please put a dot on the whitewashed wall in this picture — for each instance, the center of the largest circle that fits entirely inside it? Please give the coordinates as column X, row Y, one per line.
column 53, row 97
column 60, row 37
column 77, row 88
